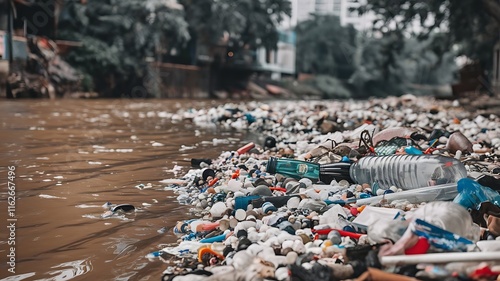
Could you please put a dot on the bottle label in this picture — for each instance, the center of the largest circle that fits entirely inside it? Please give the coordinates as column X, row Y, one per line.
column 302, row 169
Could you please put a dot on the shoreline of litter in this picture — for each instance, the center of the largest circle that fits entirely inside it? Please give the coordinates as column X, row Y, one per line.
column 291, row 225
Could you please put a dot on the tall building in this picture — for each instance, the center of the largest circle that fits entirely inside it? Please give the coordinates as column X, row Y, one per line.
column 281, row 61
column 345, row 9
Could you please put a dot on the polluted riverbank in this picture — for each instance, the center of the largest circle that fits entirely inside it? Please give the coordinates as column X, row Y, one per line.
column 385, row 189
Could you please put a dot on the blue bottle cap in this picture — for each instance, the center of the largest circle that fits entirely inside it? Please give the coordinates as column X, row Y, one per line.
column 349, row 228
column 364, row 195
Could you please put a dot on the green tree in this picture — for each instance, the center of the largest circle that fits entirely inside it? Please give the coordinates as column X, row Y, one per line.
column 244, row 23
column 117, row 37
column 469, row 26
column 325, row 47
column 392, row 65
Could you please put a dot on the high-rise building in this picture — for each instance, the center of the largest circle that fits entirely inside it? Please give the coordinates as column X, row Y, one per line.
column 345, row 9
column 281, row 61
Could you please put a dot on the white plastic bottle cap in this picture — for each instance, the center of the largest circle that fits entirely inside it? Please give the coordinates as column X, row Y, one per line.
column 240, row 214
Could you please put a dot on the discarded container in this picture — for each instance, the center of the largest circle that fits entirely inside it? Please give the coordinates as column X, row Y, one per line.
column 196, row 162
column 123, row 207
column 458, row 142
column 471, row 194
column 403, row 171
column 293, row 168
column 244, row 201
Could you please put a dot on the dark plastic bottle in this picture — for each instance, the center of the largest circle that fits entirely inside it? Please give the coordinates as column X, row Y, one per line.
column 403, row 171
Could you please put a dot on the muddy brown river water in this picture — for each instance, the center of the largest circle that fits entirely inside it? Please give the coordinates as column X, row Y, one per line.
column 68, row 158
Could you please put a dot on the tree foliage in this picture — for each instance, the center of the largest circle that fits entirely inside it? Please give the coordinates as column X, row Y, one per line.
column 392, row 66
column 348, row 63
column 325, row 47
column 245, row 22
column 470, row 26
column 117, row 37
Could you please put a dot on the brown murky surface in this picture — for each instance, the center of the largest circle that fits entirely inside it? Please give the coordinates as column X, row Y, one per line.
column 71, row 157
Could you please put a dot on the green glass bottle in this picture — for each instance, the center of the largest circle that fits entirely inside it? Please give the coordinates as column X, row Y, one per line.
column 293, row 168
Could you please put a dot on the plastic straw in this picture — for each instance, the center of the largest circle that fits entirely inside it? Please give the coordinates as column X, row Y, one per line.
column 441, row 258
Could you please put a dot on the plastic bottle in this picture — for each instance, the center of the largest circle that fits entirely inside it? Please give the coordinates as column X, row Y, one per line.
column 403, row 171
column 293, row 168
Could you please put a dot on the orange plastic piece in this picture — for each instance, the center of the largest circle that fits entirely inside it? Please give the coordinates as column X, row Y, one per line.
column 212, row 182
column 360, row 209
column 207, row 250
column 278, row 189
column 246, row 148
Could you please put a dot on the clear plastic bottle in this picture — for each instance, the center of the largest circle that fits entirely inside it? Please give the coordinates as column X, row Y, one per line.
column 403, row 171
column 293, row 168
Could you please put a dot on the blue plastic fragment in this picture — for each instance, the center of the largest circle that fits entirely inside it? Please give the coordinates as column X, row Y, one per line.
column 471, row 194
column 413, row 150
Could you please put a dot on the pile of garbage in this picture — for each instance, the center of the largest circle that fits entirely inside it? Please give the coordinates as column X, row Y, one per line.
column 393, row 189
column 42, row 72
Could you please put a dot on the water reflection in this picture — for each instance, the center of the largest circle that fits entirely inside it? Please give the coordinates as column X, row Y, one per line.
column 69, row 270
column 60, row 272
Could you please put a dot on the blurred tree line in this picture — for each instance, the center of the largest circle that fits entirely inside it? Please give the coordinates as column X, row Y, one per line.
column 119, row 37
column 412, row 43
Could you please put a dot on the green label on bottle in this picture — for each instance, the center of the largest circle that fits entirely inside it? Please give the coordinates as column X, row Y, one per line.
column 302, row 169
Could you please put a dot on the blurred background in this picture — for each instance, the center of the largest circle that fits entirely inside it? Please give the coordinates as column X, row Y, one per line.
column 248, row 48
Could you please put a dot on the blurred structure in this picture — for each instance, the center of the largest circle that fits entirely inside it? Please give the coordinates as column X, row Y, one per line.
column 29, row 62
column 280, row 61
